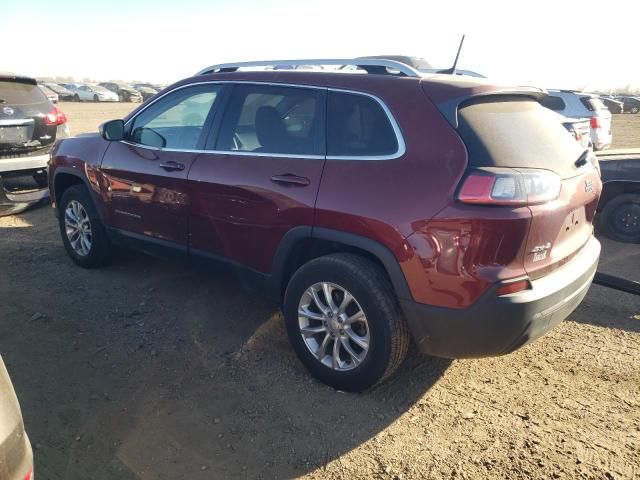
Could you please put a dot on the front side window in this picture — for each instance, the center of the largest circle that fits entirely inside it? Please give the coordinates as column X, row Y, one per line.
column 177, row 120
column 273, row 119
column 357, row 126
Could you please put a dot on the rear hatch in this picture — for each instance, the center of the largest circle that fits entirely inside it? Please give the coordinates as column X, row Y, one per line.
column 25, row 129
column 528, row 159
column 600, row 110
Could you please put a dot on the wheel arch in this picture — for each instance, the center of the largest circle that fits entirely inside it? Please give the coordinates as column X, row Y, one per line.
column 67, row 177
column 613, row 188
column 301, row 244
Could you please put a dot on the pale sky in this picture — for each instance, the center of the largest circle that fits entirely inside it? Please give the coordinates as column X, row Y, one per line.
column 550, row 44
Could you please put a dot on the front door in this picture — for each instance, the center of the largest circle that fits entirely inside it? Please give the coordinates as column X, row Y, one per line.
column 146, row 174
column 262, row 175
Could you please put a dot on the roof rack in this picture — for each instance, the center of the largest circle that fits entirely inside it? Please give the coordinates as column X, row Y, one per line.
column 370, row 65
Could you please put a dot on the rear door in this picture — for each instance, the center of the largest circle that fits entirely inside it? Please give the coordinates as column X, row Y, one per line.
column 24, row 129
column 516, row 134
column 261, row 177
column 146, row 174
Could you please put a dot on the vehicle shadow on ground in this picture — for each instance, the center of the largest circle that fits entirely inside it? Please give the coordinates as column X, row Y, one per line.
column 227, row 398
column 151, row 369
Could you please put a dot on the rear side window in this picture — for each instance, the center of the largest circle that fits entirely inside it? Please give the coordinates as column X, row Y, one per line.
column 553, row 103
column 24, row 97
column 273, row 119
column 357, row 126
column 516, row 132
column 593, row 104
column 177, row 120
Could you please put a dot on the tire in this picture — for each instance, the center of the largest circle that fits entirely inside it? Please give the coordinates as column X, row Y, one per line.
column 95, row 98
column 100, row 249
column 76, row 98
column 386, row 329
column 635, row 109
column 621, row 218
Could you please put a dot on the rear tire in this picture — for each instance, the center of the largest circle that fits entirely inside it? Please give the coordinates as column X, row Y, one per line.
column 76, row 98
column 95, row 98
column 621, row 218
column 83, row 234
column 380, row 325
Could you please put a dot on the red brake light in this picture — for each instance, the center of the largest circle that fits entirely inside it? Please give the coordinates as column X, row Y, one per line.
column 513, row 287
column 595, row 122
column 29, row 475
column 55, row 117
column 505, row 187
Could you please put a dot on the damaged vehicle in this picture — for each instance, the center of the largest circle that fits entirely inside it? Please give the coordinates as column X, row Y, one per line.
column 29, row 127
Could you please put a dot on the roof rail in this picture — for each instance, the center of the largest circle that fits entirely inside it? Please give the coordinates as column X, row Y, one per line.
column 370, row 65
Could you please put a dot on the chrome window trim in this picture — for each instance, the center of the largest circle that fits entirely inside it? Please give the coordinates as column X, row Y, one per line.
column 394, row 125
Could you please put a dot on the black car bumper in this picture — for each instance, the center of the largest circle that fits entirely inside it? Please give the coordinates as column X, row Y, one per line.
column 498, row 325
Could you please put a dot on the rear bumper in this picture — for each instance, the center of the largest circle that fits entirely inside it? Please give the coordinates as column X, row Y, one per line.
column 23, row 163
column 498, row 325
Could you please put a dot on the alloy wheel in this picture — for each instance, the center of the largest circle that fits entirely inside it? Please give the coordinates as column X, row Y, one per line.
column 78, row 228
column 333, row 326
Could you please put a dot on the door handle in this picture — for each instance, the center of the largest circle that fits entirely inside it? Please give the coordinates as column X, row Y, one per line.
column 291, row 179
column 171, row 166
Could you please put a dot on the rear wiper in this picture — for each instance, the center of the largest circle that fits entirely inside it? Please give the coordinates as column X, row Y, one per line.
column 582, row 159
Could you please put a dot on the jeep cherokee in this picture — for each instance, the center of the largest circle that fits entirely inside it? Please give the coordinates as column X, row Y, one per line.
column 375, row 207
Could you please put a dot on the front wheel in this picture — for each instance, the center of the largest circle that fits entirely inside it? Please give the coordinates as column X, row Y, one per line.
column 621, row 218
column 344, row 322
column 635, row 109
column 83, row 234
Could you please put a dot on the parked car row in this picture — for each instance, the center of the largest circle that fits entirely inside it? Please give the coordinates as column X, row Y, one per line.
column 101, row 92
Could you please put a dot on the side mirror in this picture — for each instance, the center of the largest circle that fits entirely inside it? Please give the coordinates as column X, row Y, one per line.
column 113, row 130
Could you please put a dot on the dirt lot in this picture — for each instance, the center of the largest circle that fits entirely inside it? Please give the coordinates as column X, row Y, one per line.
column 148, row 369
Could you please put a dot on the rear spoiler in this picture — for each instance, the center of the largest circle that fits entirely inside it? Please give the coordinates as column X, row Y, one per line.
column 11, row 77
column 450, row 108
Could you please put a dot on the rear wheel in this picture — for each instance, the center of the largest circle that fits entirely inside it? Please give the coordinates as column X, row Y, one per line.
column 344, row 321
column 83, row 234
column 621, row 218
column 635, row 109
column 95, row 98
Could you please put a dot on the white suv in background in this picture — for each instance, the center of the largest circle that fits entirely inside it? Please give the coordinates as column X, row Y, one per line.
column 583, row 105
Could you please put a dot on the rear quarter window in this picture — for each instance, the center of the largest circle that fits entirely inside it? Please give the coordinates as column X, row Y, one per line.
column 358, row 126
column 553, row 103
column 593, row 104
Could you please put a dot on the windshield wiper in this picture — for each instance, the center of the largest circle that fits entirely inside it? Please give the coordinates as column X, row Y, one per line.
column 582, row 159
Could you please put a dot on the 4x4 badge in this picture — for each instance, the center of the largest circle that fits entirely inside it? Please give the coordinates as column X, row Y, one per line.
column 588, row 186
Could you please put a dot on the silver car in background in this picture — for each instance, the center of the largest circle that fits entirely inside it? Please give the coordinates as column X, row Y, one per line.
column 583, row 105
column 16, row 456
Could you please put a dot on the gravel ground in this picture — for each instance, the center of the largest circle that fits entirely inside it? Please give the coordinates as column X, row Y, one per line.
column 148, row 369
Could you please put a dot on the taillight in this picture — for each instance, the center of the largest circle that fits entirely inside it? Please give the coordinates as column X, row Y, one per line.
column 595, row 122
column 29, row 475
column 55, row 117
column 509, row 187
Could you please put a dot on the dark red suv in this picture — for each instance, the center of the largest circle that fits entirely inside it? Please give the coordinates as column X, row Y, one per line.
column 376, row 207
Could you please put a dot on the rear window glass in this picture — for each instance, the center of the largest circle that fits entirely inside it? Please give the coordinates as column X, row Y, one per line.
column 554, row 103
column 25, row 96
column 512, row 132
column 593, row 104
column 358, row 127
